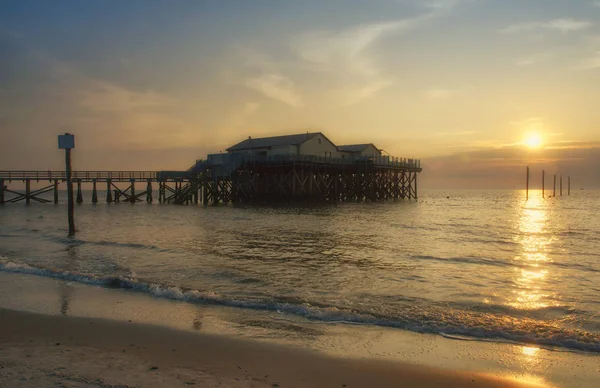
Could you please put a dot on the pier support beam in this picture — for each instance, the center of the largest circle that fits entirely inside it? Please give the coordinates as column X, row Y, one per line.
column 149, row 191
column 94, row 192
column 79, row 192
column 27, row 191
column 109, row 197
column 2, row 188
column 554, row 189
column 132, row 198
column 56, row 191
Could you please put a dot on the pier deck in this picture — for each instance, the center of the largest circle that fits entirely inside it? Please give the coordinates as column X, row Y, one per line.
column 246, row 179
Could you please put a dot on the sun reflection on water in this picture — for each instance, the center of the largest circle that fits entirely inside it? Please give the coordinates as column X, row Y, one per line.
column 532, row 262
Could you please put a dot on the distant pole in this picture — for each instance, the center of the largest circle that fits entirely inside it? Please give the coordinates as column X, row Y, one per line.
column 527, row 185
column 561, row 185
column 569, row 187
column 543, row 181
column 67, row 142
column 554, row 189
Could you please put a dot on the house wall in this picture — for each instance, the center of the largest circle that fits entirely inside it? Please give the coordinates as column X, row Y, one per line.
column 319, row 146
column 283, row 150
column 371, row 150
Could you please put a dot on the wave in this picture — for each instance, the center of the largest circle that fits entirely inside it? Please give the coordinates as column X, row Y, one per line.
column 452, row 323
column 465, row 260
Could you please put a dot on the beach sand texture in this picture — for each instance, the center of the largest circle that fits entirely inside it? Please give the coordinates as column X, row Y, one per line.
column 46, row 351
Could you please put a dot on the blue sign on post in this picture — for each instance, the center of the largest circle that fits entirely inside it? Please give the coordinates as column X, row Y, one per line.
column 66, row 141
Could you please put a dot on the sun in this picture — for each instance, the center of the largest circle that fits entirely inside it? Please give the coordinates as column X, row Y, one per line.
column 533, row 140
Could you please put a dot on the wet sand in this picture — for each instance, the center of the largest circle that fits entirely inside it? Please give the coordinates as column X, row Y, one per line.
column 39, row 350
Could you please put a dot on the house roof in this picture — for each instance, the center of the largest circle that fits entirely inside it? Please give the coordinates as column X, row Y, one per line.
column 275, row 141
column 355, row 147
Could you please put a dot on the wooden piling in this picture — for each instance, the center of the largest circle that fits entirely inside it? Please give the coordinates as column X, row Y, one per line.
column 416, row 192
column 554, row 188
column 149, row 191
column 109, row 197
column 56, row 191
column 561, row 185
column 569, row 186
column 27, row 191
column 2, row 188
column 70, row 204
column 79, row 192
column 94, row 192
column 527, row 185
column 132, row 198
column 543, row 182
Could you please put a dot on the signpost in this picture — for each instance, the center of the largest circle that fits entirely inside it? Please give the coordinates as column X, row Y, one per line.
column 67, row 142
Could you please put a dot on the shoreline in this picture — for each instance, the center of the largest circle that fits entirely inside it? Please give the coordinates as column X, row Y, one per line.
column 57, row 302
column 40, row 350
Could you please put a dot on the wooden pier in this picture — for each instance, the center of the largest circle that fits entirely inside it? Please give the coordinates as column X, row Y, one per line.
column 286, row 178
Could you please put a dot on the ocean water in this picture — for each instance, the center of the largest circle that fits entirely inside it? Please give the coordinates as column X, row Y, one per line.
column 482, row 265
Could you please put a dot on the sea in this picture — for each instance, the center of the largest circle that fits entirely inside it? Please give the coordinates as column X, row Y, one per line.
column 477, row 265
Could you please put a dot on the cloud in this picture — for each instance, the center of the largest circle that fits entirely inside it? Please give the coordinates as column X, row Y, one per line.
column 277, row 87
column 533, row 59
column 557, row 25
column 441, row 93
column 349, row 56
column 104, row 96
column 591, row 63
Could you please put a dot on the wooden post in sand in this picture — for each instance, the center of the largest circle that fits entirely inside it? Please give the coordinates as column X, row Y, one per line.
column 554, row 189
column 67, row 142
column 569, row 187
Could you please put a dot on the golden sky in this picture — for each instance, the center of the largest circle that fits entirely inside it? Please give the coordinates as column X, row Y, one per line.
column 477, row 89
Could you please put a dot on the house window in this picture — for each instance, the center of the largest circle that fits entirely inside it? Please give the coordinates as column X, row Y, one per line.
column 319, row 140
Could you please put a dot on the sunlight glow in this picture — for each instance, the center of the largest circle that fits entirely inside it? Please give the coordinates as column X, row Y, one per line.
column 533, row 140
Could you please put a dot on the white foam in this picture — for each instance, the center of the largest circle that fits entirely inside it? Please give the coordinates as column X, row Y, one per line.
column 486, row 327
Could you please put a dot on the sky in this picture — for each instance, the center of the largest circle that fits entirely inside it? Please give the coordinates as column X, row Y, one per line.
column 463, row 85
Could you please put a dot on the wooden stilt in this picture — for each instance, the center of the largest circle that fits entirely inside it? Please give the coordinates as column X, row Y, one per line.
column 416, row 191
column 561, row 185
column 554, row 188
column 2, row 188
column 109, row 197
column 543, row 182
column 569, row 187
column 27, row 191
column 527, row 185
column 56, row 191
column 79, row 192
column 133, row 197
column 94, row 192
column 149, row 191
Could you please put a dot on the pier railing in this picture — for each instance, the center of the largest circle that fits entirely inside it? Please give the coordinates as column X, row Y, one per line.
column 378, row 160
column 85, row 175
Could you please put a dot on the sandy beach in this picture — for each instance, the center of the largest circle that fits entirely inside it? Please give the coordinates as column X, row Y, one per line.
column 42, row 351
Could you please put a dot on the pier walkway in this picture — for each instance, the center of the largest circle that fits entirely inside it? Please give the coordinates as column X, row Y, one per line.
column 225, row 178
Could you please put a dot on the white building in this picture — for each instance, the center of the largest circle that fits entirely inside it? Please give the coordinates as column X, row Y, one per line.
column 314, row 144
